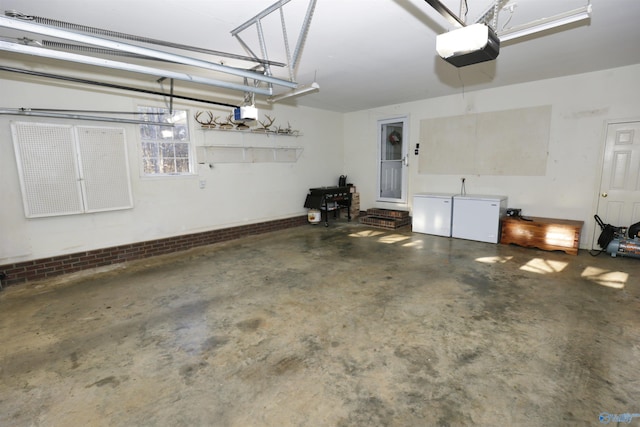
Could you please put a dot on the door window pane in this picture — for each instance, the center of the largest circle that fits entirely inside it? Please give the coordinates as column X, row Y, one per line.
column 393, row 141
column 392, row 168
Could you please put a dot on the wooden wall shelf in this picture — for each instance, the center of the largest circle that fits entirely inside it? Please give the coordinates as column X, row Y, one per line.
column 548, row 234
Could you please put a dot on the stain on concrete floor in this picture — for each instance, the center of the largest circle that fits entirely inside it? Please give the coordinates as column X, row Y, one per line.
column 338, row 326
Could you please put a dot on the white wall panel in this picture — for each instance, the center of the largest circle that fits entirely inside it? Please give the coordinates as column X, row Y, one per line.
column 47, row 165
column 568, row 188
column 105, row 168
column 232, row 194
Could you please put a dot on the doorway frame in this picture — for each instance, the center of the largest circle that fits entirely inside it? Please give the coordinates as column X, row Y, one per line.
column 598, row 183
column 404, row 175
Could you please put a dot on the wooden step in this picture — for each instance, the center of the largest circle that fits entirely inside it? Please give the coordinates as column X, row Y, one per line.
column 387, row 213
column 388, row 223
column 386, row 218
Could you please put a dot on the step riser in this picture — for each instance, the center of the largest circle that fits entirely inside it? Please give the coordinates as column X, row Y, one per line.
column 384, row 223
column 387, row 213
column 386, row 218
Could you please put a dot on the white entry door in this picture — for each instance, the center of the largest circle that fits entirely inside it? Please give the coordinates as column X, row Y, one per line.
column 392, row 160
column 619, row 201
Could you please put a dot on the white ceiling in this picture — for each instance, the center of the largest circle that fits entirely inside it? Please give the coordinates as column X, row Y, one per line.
column 363, row 53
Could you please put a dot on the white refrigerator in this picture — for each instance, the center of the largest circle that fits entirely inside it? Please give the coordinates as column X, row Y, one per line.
column 477, row 217
column 432, row 213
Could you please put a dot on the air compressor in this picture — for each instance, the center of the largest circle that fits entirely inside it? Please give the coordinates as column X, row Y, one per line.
column 620, row 241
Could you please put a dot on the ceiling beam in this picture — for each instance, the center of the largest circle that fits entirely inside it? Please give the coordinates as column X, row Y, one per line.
column 107, row 63
column 446, row 13
column 139, row 50
column 131, row 37
column 555, row 21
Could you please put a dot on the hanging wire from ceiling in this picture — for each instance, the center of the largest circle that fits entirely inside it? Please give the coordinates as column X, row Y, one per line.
column 511, row 10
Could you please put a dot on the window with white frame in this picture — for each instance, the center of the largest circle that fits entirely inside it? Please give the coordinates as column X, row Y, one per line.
column 165, row 149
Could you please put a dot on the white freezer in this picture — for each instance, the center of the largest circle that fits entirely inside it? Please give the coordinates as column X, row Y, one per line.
column 477, row 217
column 432, row 213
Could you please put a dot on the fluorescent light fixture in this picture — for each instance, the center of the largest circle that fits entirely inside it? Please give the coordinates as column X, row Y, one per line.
column 89, row 60
column 17, row 24
column 544, row 24
column 302, row 90
column 54, row 115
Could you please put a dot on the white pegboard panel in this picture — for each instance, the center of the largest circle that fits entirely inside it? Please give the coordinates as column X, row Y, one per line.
column 104, row 168
column 68, row 170
column 45, row 155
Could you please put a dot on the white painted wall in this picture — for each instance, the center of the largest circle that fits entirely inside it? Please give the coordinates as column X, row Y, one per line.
column 234, row 194
column 333, row 143
column 581, row 106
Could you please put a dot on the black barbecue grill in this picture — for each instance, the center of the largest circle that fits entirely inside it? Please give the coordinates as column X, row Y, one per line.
column 329, row 198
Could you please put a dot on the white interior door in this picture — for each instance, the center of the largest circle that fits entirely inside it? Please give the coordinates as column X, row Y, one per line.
column 393, row 160
column 619, row 201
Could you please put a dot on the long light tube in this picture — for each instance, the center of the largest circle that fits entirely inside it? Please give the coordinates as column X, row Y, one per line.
column 139, row 50
column 546, row 24
column 27, row 112
column 302, row 90
column 90, row 60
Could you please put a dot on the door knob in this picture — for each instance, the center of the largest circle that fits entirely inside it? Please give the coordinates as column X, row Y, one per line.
column 604, row 194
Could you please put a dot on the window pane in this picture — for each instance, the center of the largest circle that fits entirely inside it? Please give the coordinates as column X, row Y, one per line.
column 168, row 166
column 182, row 150
column 182, row 165
column 145, row 130
column 180, row 133
column 150, row 166
column 149, row 149
column 167, row 149
column 392, row 149
column 162, row 145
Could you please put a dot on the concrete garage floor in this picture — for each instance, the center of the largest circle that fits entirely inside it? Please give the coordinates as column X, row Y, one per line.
column 339, row 326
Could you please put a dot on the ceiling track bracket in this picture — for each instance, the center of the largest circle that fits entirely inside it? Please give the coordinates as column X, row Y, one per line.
column 446, row 13
column 292, row 60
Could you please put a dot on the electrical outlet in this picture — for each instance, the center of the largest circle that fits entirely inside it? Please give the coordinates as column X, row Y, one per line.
column 203, row 183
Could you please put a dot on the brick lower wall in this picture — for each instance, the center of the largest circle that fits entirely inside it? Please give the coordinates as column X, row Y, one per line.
column 45, row 268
